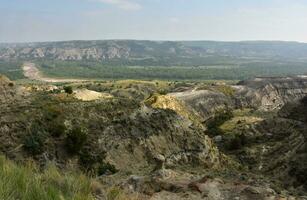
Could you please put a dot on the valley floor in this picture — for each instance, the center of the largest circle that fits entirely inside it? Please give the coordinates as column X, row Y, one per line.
column 31, row 72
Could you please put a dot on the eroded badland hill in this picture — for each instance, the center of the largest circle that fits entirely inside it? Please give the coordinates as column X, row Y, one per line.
column 155, row 139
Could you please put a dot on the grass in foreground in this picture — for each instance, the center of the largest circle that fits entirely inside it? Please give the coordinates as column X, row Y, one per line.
column 27, row 183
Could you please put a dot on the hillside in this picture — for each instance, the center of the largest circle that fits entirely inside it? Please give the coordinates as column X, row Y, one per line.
column 164, row 60
column 154, row 140
column 167, row 52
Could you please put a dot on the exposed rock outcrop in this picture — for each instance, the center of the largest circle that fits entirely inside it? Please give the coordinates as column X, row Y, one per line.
column 270, row 93
column 154, row 133
column 205, row 102
column 127, row 134
column 168, row 184
column 92, row 50
column 266, row 94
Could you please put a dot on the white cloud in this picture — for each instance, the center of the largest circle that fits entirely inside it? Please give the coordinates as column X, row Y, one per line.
column 123, row 4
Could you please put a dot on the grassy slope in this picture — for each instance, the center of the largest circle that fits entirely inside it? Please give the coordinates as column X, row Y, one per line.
column 27, row 183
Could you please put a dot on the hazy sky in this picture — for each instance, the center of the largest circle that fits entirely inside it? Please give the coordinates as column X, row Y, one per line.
column 53, row 20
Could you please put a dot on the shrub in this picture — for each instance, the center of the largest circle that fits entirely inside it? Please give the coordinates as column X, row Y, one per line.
column 90, row 159
column 68, row 89
column 298, row 171
column 226, row 89
column 34, row 140
column 220, row 117
column 237, row 142
column 75, row 139
column 106, row 168
column 52, row 112
column 57, row 128
column 162, row 92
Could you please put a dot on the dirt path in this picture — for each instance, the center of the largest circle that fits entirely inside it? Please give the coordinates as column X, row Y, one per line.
column 32, row 72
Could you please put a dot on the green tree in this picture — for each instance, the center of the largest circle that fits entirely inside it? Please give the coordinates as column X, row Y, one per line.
column 68, row 89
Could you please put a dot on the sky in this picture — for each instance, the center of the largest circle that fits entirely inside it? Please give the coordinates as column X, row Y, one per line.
column 223, row 20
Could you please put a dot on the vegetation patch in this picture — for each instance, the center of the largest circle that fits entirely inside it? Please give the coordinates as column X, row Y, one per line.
column 149, row 70
column 236, row 122
column 106, row 168
column 226, row 89
column 75, row 139
column 68, row 89
column 171, row 103
column 27, row 183
column 35, row 139
column 219, row 118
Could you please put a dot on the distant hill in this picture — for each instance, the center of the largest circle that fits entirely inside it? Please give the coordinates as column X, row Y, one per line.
column 258, row 49
column 167, row 60
column 163, row 53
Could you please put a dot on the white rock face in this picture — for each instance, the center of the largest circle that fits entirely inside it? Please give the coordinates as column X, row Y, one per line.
column 271, row 93
column 67, row 53
column 89, row 95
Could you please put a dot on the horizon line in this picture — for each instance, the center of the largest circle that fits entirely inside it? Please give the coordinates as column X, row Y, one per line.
column 154, row 40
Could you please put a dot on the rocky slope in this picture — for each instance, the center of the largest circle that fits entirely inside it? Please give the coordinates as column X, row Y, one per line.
column 5, row 89
column 274, row 146
column 158, row 145
column 265, row 94
column 205, row 102
column 121, row 132
column 270, row 93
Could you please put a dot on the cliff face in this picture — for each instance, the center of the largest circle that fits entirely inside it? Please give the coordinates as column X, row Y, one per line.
column 205, row 102
column 93, row 53
column 109, row 49
column 270, row 93
column 157, row 137
column 94, row 50
column 261, row 94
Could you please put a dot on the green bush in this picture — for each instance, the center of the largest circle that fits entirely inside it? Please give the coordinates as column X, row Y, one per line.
column 52, row 112
column 68, row 89
column 162, row 92
column 57, row 128
column 237, row 142
column 226, row 89
column 106, row 168
column 34, row 140
column 90, row 159
column 214, row 123
column 75, row 139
